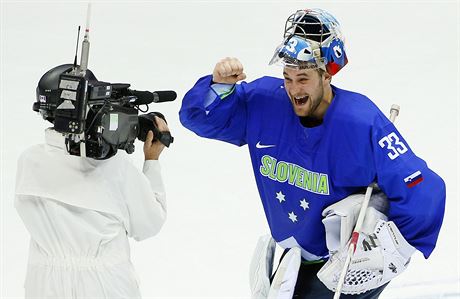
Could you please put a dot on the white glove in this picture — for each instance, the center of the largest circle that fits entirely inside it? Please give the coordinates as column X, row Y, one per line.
column 261, row 267
column 340, row 218
column 379, row 257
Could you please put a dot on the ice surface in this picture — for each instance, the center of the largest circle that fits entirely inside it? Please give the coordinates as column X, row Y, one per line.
column 403, row 52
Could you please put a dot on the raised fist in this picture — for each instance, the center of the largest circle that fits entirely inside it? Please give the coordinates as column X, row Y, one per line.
column 228, row 70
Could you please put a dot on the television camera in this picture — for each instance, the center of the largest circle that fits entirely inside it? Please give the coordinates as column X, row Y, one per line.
column 97, row 118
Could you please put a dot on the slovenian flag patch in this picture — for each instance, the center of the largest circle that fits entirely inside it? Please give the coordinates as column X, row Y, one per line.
column 413, row 179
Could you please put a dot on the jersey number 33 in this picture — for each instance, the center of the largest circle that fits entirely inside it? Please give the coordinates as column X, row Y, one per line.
column 395, row 146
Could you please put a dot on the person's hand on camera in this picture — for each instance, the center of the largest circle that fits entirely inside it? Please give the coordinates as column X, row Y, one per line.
column 153, row 149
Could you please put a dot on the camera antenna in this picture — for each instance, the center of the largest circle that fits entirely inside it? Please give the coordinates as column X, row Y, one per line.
column 76, row 50
column 85, row 43
column 83, row 68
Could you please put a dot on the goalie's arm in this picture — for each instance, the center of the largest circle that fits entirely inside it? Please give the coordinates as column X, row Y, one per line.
column 216, row 106
column 416, row 193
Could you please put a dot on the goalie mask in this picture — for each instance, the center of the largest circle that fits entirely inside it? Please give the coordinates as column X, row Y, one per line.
column 312, row 40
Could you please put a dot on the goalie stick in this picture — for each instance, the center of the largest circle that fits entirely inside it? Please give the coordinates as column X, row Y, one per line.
column 394, row 111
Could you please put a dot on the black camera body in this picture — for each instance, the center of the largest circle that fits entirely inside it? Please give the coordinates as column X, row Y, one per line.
column 70, row 115
column 97, row 118
column 102, row 115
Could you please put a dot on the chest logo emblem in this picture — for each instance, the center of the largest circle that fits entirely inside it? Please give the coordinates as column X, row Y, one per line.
column 258, row 145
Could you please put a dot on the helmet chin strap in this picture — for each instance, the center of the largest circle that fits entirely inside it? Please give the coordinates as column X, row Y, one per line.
column 316, row 51
column 317, row 54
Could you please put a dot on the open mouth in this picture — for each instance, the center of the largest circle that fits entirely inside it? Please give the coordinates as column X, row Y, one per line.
column 300, row 100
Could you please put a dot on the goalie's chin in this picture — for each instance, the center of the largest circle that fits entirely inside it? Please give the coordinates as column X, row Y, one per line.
column 301, row 110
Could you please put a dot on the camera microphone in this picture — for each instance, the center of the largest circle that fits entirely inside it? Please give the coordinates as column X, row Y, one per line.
column 147, row 97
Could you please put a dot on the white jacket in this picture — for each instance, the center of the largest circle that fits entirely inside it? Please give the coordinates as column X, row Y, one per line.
column 80, row 212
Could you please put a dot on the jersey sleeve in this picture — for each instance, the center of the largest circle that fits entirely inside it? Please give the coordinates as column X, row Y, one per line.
column 145, row 200
column 416, row 193
column 223, row 118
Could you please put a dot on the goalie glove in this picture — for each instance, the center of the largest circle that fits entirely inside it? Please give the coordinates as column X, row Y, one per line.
column 340, row 218
column 379, row 257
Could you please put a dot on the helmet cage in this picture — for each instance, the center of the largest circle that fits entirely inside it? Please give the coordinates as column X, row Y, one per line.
column 318, row 22
column 312, row 39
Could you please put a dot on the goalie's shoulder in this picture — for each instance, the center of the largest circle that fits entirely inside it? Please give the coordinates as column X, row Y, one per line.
column 356, row 110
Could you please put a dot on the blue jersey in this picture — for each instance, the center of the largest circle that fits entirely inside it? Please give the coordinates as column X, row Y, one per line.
column 300, row 171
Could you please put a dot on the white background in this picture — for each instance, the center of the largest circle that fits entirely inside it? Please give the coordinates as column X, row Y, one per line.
column 399, row 52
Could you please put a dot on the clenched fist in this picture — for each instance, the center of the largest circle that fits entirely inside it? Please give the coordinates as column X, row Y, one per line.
column 229, row 70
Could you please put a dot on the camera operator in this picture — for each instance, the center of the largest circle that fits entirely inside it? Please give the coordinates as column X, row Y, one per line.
column 80, row 212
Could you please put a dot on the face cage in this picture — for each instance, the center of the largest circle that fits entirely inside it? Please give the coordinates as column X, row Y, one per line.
column 293, row 27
